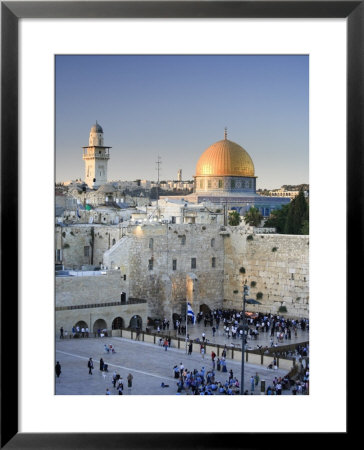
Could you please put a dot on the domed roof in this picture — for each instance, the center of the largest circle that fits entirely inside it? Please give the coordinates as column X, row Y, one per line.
column 225, row 158
column 96, row 128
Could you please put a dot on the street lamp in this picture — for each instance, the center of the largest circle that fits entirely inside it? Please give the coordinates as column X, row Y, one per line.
column 250, row 301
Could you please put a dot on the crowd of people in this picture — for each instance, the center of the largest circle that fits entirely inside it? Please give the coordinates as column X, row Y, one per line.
column 203, row 382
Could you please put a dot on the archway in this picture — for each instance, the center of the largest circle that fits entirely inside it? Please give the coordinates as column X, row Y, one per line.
column 100, row 324
column 81, row 324
column 176, row 316
column 136, row 322
column 117, row 323
column 205, row 309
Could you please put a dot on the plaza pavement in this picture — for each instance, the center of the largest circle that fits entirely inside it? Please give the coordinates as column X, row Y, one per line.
column 196, row 330
column 149, row 364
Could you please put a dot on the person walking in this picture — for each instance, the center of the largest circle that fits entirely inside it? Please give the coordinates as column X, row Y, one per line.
column 61, row 331
column 120, row 388
column 165, row 344
column 58, row 369
column 190, row 348
column 101, row 364
column 114, row 378
column 252, row 383
column 256, row 379
column 203, row 352
column 130, row 380
column 90, row 366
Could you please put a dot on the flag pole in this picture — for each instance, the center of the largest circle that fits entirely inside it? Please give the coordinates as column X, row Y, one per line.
column 186, row 322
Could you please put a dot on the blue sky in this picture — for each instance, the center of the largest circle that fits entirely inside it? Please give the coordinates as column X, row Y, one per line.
column 177, row 106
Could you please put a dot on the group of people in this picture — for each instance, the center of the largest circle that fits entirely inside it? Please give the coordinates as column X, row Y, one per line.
column 109, row 348
column 203, row 382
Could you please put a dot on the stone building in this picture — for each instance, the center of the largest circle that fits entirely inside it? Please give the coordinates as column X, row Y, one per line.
column 225, row 175
column 96, row 156
column 162, row 266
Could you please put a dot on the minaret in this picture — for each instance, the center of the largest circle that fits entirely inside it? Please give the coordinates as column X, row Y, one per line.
column 96, row 157
column 179, row 175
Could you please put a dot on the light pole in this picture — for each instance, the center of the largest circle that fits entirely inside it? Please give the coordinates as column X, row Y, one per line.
column 251, row 302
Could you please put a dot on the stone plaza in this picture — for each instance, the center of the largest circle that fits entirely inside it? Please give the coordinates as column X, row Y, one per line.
column 150, row 364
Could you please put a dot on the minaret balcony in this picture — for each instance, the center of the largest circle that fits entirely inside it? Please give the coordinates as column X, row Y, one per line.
column 95, row 156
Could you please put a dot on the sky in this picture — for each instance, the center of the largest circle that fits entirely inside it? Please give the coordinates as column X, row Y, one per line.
column 176, row 106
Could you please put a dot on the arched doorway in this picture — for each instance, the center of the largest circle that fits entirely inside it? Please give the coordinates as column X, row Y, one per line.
column 136, row 323
column 176, row 316
column 100, row 324
column 117, row 323
column 205, row 309
column 81, row 324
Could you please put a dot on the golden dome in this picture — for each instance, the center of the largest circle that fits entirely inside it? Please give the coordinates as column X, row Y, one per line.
column 225, row 158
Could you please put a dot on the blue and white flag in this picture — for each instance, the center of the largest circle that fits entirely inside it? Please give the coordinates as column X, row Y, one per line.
column 190, row 312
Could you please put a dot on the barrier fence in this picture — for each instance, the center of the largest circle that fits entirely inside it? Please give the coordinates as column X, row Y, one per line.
column 263, row 356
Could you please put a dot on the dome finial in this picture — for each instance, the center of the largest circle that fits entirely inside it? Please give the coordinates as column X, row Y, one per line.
column 225, row 133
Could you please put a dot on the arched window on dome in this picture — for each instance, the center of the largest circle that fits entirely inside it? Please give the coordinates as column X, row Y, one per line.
column 220, row 184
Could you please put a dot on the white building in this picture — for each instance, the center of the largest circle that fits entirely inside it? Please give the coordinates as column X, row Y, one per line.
column 96, row 157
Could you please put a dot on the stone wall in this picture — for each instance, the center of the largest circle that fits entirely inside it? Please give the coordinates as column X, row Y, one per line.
column 277, row 264
column 141, row 264
column 146, row 259
column 73, row 239
column 86, row 293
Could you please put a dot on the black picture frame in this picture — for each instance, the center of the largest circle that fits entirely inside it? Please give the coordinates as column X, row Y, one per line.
column 11, row 12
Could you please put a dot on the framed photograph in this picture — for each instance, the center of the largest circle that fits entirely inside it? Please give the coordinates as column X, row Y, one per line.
column 304, row 59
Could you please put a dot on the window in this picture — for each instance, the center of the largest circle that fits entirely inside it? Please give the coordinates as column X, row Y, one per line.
column 220, row 184
column 183, row 240
column 213, row 262
column 201, row 184
column 86, row 250
column 58, row 255
column 174, row 264
column 213, row 242
column 209, row 184
column 232, row 184
column 150, row 264
column 151, row 243
column 193, row 263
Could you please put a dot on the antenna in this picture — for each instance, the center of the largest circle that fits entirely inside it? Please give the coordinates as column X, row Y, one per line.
column 158, row 162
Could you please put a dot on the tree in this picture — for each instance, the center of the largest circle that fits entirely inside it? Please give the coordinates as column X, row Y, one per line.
column 298, row 212
column 277, row 219
column 234, row 218
column 292, row 218
column 253, row 217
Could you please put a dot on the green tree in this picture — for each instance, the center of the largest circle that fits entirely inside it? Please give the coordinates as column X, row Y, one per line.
column 277, row 218
column 253, row 217
column 234, row 218
column 298, row 212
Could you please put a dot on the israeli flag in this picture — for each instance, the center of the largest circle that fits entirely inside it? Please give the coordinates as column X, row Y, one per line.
column 190, row 312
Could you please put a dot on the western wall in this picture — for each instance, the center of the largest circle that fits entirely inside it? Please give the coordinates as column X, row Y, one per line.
column 274, row 265
column 154, row 263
